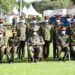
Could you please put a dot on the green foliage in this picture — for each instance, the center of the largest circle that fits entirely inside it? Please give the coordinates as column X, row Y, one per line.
column 51, row 4
column 39, row 6
column 40, row 18
column 7, row 4
column 73, row 1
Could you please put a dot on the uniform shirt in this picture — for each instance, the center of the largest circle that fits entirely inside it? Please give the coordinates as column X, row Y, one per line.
column 1, row 42
column 63, row 40
column 36, row 40
column 73, row 40
column 23, row 33
column 3, row 28
column 34, row 27
column 47, row 32
column 13, row 41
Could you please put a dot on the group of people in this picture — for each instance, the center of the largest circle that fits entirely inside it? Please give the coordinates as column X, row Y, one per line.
column 38, row 35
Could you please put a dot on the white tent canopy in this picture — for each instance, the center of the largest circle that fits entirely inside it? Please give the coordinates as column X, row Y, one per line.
column 29, row 1
column 15, row 11
column 32, row 11
column 71, row 11
column 24, row 10
column 50, row 13
column 60, row 12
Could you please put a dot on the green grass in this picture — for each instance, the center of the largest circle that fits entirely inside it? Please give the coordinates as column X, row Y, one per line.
column 46, row 67
column 39, row 68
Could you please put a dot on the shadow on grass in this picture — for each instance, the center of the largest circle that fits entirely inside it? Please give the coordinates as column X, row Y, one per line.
column 50, row 59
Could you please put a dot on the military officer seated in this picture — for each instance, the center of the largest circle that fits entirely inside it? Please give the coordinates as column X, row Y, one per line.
column 73, row 43
column 12, row 46
column 63, row 44
column 35, row 43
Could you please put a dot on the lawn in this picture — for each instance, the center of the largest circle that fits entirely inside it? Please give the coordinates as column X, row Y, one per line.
column 45, row 67
column 39, row 68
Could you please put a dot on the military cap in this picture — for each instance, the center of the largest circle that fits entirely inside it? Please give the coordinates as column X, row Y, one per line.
column 63, row 28
column 14, row 31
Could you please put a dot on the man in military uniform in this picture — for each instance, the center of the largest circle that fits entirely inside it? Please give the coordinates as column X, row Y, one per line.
column 12, row 45
column 47, row 35
column 72, row 43
column 35, row 43
column 2, row 36
column 33, row 26
column 14, row 22
column 1, row 45
column 23, row 37
column 55, row 32
column 3, row 28
column 63, row 44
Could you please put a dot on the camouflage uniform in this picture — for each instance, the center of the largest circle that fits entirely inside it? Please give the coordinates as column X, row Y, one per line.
column 23, row 38
column 3, row 28
column 11, row 49
column 47, row 35
column 55, row 32
column 63, row 45
column 1, row 49
column 2, row 43
column 72, row 42
column 35, row 44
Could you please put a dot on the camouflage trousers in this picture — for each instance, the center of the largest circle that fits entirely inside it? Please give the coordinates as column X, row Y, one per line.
column 36, row 52
column 2, row 52
column 10, row 53
column 60, row 49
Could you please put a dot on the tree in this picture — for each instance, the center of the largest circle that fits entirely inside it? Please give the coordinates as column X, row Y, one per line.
column 50, row 4
column 73, row 1
column 7, row 4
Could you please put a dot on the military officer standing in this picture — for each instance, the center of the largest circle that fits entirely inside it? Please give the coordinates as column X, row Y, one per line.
column 23, row 34
column 14, row 22
column 55, row 32
column 47, row 35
